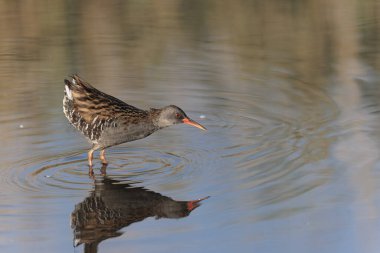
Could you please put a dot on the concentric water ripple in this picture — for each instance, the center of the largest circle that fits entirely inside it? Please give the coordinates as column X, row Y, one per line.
column 65, row 175
column 255, row 146
column 49, row 177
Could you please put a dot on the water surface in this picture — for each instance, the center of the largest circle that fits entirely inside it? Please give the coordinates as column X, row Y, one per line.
column 289, row 94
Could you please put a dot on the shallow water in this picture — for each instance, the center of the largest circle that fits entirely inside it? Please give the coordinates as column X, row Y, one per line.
column 289, row 94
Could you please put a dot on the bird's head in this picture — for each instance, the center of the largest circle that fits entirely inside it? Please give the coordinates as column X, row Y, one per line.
column 171, row 115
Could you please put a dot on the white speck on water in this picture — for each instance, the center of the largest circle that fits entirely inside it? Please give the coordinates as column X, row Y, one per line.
column 202, row 116
column 48, row 176
column 21, row 126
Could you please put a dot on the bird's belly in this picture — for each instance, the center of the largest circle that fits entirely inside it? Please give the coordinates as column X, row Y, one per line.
column 118, row 135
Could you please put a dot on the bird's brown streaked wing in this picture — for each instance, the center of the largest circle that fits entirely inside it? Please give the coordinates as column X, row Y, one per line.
column 94, row 105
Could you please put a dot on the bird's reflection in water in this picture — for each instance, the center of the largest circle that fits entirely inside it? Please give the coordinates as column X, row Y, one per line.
column 113, row 205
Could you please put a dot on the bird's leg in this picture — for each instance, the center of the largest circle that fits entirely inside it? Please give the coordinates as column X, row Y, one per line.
column 103, row 157
column 90, row 156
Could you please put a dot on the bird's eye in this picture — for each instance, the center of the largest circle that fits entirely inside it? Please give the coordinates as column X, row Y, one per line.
column 177, row 115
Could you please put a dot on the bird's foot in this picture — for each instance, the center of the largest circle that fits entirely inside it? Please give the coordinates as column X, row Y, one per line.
column 90, row 171
column 103, row 170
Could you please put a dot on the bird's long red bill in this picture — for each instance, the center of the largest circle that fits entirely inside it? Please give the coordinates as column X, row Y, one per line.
column 193, row 123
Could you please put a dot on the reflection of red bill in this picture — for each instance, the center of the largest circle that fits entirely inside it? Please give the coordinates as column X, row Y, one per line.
column 193, row 123
column 191, row 205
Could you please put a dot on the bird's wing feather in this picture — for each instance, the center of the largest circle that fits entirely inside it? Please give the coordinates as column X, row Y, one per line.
column 94, row 105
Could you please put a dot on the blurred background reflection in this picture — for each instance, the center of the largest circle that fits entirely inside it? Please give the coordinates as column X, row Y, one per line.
column 288, row 90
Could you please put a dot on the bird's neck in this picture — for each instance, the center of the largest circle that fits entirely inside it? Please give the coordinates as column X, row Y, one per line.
column 154, row 116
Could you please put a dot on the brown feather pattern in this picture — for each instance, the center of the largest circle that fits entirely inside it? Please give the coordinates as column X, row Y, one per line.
column 92, row 111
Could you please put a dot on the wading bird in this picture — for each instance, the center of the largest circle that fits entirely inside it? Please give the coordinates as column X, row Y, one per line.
column 107, row 121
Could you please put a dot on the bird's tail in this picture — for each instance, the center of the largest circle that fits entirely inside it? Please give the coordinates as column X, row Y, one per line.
column 76, row 86
column 68, row 88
